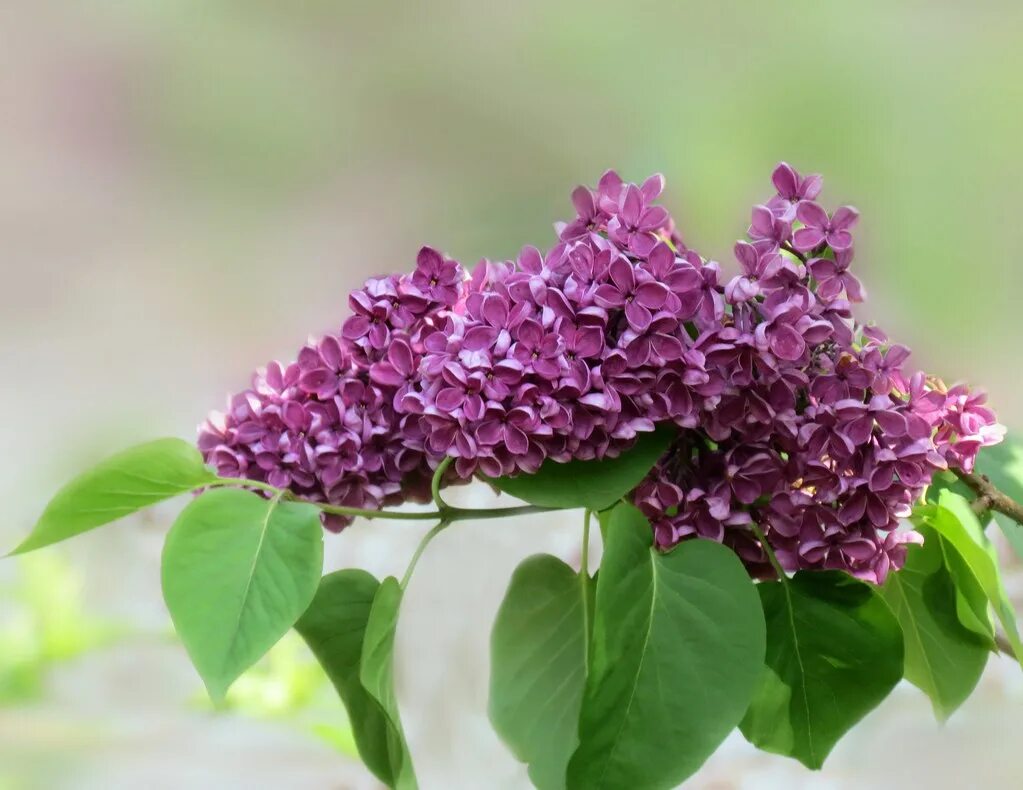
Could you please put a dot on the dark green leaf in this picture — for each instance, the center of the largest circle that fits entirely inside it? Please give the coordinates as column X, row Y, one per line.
column 955, row 521
column 677, row 651
column 538, row 666
column 595, row 485
column 944, row 658
column 238, row 571
column 377, row 675
column 334, row 627
column 120, row 485
column 834, row 652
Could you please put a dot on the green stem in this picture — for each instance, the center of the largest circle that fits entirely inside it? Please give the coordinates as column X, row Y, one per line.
column 782, row 577
column 448, row 513
column 438, row 478
column 584, row 581
column 421, row 548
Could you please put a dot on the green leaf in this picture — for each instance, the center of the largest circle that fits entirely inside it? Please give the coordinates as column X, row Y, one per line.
column 595, row 485
column 334, row 627
column 538, row 666
column 955, row 521
column 677, row 651
column 238, row 571
column 943, row 657
column 377, row 675
column 834, row 652
column 120, row 485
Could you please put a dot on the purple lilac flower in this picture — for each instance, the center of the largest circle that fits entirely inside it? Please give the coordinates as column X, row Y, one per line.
column 790, row 415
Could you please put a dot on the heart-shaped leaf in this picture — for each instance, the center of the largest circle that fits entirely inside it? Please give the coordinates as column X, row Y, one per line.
column 677, row 651
column 834, row 652
column 538, row 666
column 238, row 571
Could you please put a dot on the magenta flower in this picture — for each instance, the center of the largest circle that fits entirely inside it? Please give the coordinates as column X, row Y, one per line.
column 833, row 277
column 819, row 228
column 634, row 290
column 792, row 189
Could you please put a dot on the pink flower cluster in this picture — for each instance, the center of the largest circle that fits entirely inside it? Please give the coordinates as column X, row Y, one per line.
column 792, row 416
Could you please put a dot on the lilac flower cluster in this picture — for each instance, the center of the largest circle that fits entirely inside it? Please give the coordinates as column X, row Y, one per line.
column 330, row 426
column 792, row 416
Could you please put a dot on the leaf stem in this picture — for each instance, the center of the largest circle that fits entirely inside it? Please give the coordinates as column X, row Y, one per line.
column 438, row 478
column 584, row 581
column 782, row 576
column 429, row 536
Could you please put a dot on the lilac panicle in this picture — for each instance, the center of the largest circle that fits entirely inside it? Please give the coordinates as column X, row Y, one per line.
column 791, row 416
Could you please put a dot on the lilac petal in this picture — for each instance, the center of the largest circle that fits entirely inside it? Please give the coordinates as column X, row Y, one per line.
column 805, row 239
column 821, row 268
column 653, row 218
column 811, row 186
column 785, row 180
column 623, row 275
column 840, row 240
column 652, row 295
column 812, row 215
column 495, row 310
column 787, row 343
column 639, row 317
column 449, row 399
column 331, row 352
column 608, row 297
column 355, row 327
column 386, row 375
column 530, row 260
column 632, row 205
column 652, row 187
column 589, row 342
column 762, row 224
column 429, row 260
column 480, row 338
column 844, row 218
column 515, row 440
column 400, row 356
column 582, row 199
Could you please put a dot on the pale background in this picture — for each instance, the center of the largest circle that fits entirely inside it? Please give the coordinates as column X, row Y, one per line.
column 189, row 188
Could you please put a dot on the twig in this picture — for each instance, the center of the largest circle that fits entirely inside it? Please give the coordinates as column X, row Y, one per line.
column 989, row 497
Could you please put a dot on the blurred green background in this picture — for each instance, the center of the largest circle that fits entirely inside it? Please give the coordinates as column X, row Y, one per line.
column 187, row 189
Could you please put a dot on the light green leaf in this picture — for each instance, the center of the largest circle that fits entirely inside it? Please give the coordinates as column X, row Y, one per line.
column 377, row 675
column 834, row 652
column 955, row 521
column 943, row 657
column 238, row 571
column 538, row 666
column 120, row 485
column 595, row 485
column 677, row 651
column 334, row 627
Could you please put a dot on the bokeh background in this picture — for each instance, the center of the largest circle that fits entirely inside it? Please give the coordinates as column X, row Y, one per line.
column 188, row 188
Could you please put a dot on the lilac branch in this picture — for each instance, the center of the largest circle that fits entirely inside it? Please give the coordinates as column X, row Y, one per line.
column 990, row 497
